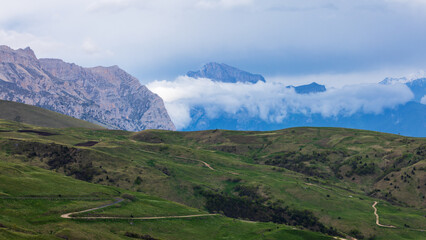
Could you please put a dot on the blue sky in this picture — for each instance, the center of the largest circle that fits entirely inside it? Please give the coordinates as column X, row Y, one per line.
column 353, row 41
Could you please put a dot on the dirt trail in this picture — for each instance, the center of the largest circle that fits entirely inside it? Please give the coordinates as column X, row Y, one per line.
column 118, row 200
column 145, row 218
column 310, row 184
column 377, row 217
column 68, row 215
column 207, row 165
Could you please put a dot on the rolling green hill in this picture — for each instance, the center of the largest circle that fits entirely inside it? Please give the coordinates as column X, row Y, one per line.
column 32, row 200
column 37, row 116
column 317, row 179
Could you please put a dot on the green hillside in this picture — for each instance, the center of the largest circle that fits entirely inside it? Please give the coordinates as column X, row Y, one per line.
column 37, row 116
column 318, row 179
column 32, row 200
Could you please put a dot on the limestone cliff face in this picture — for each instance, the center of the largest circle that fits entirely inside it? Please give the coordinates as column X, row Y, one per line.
column 104, row 95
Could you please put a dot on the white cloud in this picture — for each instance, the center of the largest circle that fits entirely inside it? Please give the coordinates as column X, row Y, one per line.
column 111, row 6
column 423, row 100
column 225, row 4
column 149, row 37
column 41, row 46
column 91, row 48
column 272, row 101
column 338, row 80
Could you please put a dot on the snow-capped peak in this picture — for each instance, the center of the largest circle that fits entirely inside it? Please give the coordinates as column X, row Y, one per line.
column 411, row 77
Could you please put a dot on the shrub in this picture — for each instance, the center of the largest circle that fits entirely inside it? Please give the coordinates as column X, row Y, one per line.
column 255, row 210
column 128, row 196
column 356, row 234
column 138, row 180
column 139, row 236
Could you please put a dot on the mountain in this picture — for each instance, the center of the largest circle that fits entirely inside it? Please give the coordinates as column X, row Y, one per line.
column 309, row 88
column 408, row 119
column 37, row 116
column 107, row 96
column 220, row 72
column 417, row 85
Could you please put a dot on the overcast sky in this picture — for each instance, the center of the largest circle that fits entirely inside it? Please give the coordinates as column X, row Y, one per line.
column 344, row 40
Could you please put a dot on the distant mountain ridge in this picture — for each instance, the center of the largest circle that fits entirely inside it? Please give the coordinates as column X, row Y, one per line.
column 107, row 96
column 225, row 73
column 220, row 72
column 407, row 119
column 417, row 86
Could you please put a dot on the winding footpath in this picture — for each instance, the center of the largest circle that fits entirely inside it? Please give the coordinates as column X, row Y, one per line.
column 68, row 215
column 377, row 217
column 118, row 200
column 207, row 165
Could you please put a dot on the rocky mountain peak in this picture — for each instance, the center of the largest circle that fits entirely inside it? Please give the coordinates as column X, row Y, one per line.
column 115, row 75
column 28, row 51
column 221, row 72
column 405, row 79
column 22, row 56
column 416, row 82
column 103, row 95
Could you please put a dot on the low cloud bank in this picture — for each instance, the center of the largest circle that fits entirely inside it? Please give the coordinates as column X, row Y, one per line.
column 272, row 101
column 423, row 100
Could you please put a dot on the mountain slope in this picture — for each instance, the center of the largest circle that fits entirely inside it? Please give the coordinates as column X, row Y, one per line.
column 103, row 95
column 326, row 176
column 33, row 199
column 418, row 87
column 223, row 73
column 28, row 114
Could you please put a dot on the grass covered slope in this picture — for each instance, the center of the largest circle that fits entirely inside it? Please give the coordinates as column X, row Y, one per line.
column 32, row 200
column 387, row 166
column 37, row 116
column 321, row 179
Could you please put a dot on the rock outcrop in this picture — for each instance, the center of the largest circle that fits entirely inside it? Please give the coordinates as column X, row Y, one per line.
column 104, row 95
